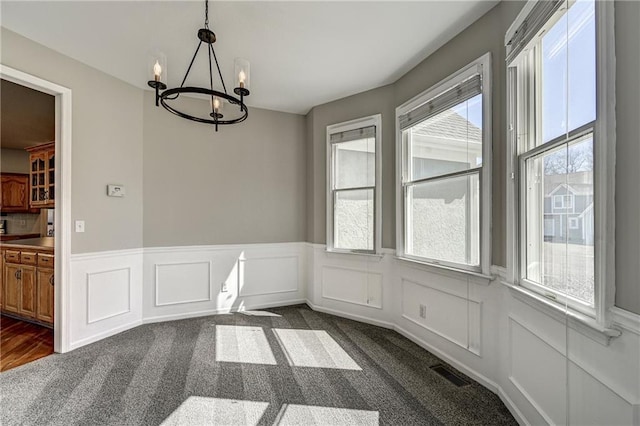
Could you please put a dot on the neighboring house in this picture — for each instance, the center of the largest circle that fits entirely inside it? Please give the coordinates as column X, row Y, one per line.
column 568, row 208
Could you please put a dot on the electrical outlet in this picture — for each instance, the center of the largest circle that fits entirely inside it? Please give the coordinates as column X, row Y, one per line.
column 423, row 311
column 223, row 287
column 79, row 225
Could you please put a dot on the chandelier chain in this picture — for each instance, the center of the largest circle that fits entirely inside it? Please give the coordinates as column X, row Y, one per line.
column 206, row 14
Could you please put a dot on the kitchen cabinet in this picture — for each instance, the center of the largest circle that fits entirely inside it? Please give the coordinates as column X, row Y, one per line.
column 28, row 285
column 11, row 288
column 14, row 192
column 42, row 160
column 45, row 282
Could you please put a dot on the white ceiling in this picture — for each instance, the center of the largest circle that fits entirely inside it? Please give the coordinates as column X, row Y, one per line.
column 302, row 53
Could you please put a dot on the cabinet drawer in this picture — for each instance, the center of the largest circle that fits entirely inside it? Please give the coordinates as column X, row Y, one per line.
column 45, row 260
column 12, row 256
column 28, row 258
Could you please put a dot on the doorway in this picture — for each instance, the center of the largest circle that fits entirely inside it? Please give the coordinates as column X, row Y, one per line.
column 58, row 219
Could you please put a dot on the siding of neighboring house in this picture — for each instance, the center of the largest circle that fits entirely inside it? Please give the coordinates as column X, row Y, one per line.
column 568, row 221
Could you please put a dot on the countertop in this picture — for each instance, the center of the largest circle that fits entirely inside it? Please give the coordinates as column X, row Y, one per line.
column 10, row 237
column 44, row 243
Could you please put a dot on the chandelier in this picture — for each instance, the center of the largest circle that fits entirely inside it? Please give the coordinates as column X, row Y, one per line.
column 217, row 99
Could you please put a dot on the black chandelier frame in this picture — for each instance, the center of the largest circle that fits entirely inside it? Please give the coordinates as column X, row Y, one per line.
column 164, row 94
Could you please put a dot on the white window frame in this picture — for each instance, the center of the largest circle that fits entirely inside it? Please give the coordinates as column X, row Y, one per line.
column 484, row 269
column 599, row 317
column 376, row 121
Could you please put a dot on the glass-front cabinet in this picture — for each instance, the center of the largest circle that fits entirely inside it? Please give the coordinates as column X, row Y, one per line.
column 42, row 175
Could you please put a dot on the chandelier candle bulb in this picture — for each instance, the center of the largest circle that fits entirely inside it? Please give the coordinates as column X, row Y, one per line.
column 242, row 76
column 217, row 105
column 157, row 71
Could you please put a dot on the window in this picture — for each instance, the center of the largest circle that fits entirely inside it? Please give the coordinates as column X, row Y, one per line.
column 353, row 198
column 555, row 136
column 444, row 180
column 563, row 201
column 574, row 223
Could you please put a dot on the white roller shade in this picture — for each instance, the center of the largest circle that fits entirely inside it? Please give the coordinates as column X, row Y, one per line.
column 354, row 135
column 519, row 38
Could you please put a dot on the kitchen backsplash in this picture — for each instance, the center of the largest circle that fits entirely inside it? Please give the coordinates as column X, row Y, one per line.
column 22, row 223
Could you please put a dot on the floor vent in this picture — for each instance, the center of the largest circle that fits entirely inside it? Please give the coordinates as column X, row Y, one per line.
column 446, row 372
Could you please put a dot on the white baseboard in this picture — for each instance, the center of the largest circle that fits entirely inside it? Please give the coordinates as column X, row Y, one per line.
column 354, row 317
column 103, row 335
column 174, row 317
column 515, row 411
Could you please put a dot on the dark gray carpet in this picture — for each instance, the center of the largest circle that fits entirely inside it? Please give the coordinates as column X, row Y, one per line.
column 288, row 365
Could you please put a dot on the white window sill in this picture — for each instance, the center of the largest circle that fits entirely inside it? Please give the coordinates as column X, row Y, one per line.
column 576, row 320
column 368, row 256
column 477, row 277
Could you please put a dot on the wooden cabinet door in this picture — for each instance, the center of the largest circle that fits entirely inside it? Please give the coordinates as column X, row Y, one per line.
column 38, row 179
column 51, row 177
column 42, row 175
column 12, row 290
column 45, row 298
column 14, row 192
column 28, row 294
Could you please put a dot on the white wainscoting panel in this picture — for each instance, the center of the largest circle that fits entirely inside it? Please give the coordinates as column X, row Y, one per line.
column 448, row 315
column 593, row 403
column 185, row 282
column 538, row 370
column 108, row 294
column 360, row 287
column 105, row 294
column 268, row 275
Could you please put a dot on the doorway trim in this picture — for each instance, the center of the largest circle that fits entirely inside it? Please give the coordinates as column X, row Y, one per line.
column 61, row 329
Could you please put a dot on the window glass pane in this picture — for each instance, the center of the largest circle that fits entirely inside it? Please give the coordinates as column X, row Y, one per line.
column 560, row 221
column 569, row 74
column 582, row 64
column 353, row 219
column 447, row 142
column 443, row 220
column 355, row 163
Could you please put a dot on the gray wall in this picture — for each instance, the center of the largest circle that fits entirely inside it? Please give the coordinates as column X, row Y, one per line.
column 14, row 161
column 106, row 147
column 487, row 35
column 484, row 35
column 628, row 155
column 364, row 104
column 244, row 184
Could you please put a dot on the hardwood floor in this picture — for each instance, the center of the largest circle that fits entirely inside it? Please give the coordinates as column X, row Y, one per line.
column 22, row 342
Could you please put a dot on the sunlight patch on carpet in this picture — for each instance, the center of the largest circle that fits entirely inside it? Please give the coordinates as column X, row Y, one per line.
column 243, row 344
column 200, row 410
column 313, row 348
column 292, row 414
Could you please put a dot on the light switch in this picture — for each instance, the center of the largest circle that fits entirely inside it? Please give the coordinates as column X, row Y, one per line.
column 79, row 225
